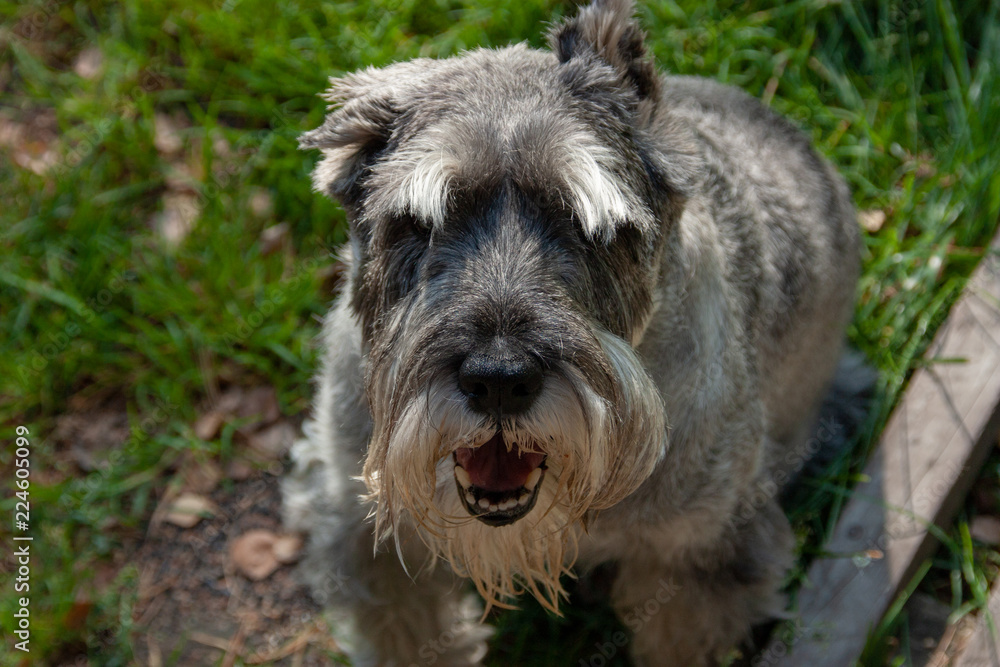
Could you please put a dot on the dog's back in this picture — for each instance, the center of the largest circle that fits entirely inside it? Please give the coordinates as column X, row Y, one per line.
column 790, row 237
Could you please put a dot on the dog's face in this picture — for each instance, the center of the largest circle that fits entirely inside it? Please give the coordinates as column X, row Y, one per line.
column 508, row 212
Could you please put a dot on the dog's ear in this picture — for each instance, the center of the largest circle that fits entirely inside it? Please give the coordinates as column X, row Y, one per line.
column 364, row 107
column 606, row 30
column 349, row 137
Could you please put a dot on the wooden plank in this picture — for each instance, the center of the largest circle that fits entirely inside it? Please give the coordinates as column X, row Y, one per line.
column 932, row 448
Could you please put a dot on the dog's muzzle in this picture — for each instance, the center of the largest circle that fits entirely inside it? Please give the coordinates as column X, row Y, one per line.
column 498, row 482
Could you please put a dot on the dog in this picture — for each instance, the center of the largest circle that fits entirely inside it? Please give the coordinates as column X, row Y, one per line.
column 589, row 316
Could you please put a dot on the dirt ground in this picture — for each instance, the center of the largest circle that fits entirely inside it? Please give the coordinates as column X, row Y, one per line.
column 216, row 571
column 195, row 608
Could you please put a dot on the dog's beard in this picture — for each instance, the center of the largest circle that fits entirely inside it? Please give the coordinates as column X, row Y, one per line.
column 598, row 449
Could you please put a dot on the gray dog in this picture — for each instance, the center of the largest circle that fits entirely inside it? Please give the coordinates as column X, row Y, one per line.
column 590, row 315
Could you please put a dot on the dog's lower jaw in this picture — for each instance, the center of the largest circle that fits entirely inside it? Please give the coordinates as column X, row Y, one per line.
column 499, row 509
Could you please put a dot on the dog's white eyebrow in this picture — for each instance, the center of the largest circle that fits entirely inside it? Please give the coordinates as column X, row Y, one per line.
column 601, row 199
column 419, row 177
column 423, row 192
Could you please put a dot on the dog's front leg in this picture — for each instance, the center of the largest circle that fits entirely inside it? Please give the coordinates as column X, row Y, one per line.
column 385, row 618
column 690, row 611
column 382, row 615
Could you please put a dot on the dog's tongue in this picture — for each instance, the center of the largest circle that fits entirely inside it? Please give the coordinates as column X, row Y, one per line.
column 492, row 467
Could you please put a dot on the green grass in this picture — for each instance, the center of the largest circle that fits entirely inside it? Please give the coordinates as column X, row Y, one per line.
column 901, row 95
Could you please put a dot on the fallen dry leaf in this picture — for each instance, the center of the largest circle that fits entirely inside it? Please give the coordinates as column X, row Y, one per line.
column 253, row 554
column 273, row 238
column 274, row 441
column 76, row 615
column 261, row 203
column 986, row 529
column 229, row 401
column 287, row 548
column 88, row 63
column 175, row 221
column 32, row 138
column 166, row 135
column 871, row 220
column 260, row 402
column 220, row 145
column 208, row 425
column 91, row 433
column 200, row 476
column 182, row 177
column 36, row 156
column 11, row 132
column 239, row 470
column 155, row 655
column 188, row 509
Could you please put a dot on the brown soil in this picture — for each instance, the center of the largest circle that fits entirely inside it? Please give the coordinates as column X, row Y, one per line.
column 193, row 607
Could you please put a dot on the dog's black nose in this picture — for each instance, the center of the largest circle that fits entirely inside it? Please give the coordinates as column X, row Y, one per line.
column 500, row 380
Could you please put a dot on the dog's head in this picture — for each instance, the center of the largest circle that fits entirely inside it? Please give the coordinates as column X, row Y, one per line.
column 508, row 213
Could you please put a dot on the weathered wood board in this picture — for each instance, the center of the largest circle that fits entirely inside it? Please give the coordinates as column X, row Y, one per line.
column 931, row 450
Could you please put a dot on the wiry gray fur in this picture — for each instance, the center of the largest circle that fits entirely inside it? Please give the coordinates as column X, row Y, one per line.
column 676, row 257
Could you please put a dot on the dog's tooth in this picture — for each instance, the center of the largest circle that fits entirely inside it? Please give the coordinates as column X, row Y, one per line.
column 485, row 504
column 493, row 508
column 463, row 477
column 533, row 478
column 523, row 500
column 469, row 498
column 507, row 504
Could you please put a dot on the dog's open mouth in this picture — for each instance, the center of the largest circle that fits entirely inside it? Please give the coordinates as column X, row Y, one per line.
column 498, row 485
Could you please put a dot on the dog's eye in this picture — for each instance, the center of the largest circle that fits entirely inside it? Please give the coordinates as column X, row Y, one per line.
column 406, row 223
column 423, row 228
column 551, row 212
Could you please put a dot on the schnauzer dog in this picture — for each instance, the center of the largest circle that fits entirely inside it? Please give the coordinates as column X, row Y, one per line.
column 590, row 315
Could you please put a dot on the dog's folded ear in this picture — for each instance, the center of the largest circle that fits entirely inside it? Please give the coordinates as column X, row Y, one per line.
column 364, row 107
column 349, row 138
column 607, row 31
